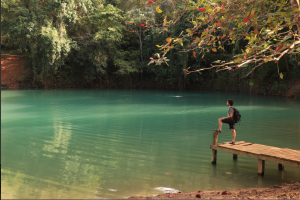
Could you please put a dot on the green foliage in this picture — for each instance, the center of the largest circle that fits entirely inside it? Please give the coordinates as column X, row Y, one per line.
column 96, row 41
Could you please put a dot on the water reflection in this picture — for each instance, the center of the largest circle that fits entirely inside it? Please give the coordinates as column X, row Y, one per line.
column 115, row 144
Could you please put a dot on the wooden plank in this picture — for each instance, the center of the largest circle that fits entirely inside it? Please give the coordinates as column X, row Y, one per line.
column 280, row 167
column 257, row 155
column 214, row 152
column 261, row 167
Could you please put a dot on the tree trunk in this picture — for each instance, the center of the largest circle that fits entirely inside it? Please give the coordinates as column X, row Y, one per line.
column 295, row 5
column 141, row 44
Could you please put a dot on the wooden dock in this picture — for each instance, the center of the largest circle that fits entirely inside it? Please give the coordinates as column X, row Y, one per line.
column 282, row 156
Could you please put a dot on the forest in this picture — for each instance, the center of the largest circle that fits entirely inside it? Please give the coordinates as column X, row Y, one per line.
column 156, row 44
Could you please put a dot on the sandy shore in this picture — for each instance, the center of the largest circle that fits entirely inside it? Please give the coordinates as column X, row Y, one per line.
column 287, row 191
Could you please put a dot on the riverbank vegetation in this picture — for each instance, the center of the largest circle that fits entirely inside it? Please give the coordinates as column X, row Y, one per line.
column 109, row 43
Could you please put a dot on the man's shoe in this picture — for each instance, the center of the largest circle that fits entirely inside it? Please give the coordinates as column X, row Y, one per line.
column 218, row 130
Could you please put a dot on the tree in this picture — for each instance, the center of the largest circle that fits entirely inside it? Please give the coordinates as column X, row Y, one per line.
column 271, row 29
column 40, row 28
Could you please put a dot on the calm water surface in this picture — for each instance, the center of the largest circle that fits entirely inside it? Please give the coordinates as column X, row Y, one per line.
column 119, row 143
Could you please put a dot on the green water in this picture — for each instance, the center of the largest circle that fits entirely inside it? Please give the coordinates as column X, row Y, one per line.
column 119, row 143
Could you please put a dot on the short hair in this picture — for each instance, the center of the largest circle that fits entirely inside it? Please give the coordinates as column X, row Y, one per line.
column 230, row 101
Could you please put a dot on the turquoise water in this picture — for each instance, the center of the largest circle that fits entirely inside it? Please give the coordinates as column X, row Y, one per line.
column 119, row 143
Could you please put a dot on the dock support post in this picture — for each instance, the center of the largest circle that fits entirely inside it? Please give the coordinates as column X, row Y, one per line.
column 280, row 167
column 234, row 156
column 214, row 152
column 261, row 167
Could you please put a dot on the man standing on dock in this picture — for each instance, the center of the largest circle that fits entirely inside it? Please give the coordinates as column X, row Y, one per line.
column 228, row 120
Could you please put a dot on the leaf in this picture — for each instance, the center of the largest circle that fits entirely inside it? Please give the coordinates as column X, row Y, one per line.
column 166, row 28
column 194, row 54
column 158, row 46
column 268, row 59
column 256, row 31
column 214, row 49
column 192, row 8
column 169, row 40
column 188, row 30
column 202, row 9
column 280, row 47
column 246, row 19
column 180, row 42
column 158, row 10
column 165, row 21
column 203, row 56
column 281, row 75
column 239, row 59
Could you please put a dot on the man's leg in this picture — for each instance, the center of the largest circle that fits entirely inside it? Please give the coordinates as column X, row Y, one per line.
column 233, row 134
column 220, row 123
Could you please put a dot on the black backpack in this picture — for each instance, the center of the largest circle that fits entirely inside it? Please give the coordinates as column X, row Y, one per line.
column 236, row 115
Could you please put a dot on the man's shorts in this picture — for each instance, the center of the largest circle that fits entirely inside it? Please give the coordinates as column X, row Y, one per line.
column 230, row 122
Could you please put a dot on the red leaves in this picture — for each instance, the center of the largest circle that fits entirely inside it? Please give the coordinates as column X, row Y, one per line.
column 224, row 192
column 198, row 196
column 231, row 30
column 194, row 54
column 142, row 24
column 223, row 5
column 280, row 47
column 151, row 58
column 199, row 33
column 246, row 19
column 222, row 37
column 150, row 2
column 219, row 24
column 202, row 9
column 243, row 11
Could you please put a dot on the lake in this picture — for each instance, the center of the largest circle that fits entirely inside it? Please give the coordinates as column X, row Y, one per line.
column 95, row 144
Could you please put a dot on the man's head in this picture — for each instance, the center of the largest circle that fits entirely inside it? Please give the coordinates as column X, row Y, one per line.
column 229, row 102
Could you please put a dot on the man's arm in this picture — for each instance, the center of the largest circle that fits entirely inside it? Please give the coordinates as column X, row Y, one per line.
column 230, row 116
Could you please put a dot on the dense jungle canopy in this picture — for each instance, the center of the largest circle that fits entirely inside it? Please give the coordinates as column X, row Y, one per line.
column 116, row 43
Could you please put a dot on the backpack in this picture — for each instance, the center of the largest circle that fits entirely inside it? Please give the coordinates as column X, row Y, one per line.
column 236, row 115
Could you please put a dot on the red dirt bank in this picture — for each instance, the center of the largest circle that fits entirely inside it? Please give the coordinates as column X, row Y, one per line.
column 12, row 71
column 287, row 191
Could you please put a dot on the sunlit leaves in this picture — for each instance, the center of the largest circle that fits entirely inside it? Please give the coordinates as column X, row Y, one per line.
column 238, row 60
column 158, row 9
